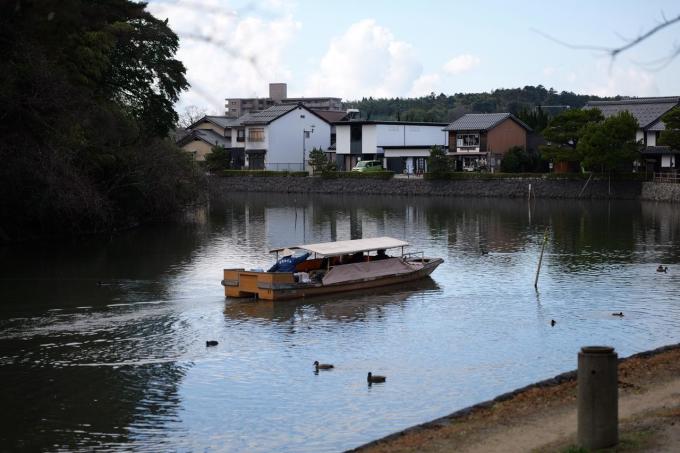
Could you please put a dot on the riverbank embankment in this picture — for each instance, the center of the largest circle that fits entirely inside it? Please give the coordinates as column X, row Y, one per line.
column 542, row 417
column 492, row 188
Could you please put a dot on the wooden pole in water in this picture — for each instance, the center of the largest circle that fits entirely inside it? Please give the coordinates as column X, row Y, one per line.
column 540, row 260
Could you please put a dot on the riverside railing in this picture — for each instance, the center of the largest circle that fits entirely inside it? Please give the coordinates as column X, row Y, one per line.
column 284, row 167
column 667, row 177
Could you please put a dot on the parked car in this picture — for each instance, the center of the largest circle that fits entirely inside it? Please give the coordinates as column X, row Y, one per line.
column 368, row 165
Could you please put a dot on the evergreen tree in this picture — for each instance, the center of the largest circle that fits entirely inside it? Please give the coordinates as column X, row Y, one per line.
column 671, row 136
column 320, row 163
column 219, row 158
column 564, row 132
column 87, row 90
column 610, row 144
column 438, row 163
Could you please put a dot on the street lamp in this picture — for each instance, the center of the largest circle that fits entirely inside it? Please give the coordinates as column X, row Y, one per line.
column 305, row 135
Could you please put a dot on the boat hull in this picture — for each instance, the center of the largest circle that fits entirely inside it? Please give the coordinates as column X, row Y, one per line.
column 282, row 286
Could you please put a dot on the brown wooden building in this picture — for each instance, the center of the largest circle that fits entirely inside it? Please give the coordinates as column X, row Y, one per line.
column 478, row 141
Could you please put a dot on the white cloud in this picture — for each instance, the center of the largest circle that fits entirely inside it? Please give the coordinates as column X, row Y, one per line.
column 227, row 54
column 548, row 71
column 367, row 60
column 461, row 63
column 425, row 84
column 626, row 81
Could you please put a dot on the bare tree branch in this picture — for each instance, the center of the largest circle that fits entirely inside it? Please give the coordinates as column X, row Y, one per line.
column 571, row 46
column 615, row 51
column 642, row 37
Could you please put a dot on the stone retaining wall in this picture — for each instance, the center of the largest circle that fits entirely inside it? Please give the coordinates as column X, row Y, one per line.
column 506, row 188
column 660, row 191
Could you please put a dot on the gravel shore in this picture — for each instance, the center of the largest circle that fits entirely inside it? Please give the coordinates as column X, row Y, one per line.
column 542, row 417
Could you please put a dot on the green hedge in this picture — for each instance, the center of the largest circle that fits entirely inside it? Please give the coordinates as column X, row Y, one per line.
column 266, row 173
column 358, row 175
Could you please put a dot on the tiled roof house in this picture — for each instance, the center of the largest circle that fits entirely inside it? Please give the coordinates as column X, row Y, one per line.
column 480, row 140
column 648, row 112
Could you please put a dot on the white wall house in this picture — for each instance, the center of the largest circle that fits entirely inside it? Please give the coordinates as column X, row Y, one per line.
column 402, row 146
column 208, row 132
column 277, row 138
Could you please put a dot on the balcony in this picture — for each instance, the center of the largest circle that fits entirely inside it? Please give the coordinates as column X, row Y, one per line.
column 467, row 149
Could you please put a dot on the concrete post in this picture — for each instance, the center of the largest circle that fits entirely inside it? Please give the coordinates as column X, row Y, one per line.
column 598, row 397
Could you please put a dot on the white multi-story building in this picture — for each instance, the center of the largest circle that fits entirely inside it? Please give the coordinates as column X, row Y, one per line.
column 278, row 94
column 403, row 146
column 281, row 137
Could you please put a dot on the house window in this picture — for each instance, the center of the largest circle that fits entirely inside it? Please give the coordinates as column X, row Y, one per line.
column 240, row 135
column 256, row 134
column 467, row 140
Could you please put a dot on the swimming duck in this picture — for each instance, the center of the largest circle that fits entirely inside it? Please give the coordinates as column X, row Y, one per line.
column 553, row 322
column 662, row 268
column 211, row 343
column 618, row 314
column 375, row 379
column 322, row 366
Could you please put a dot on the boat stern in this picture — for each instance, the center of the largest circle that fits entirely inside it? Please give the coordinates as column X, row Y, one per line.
column 258, row 284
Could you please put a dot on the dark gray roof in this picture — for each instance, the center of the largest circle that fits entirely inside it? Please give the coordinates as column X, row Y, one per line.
column 241, row 120
column 331, row 116
column 394, row 123
column 410, row 147
column 657, row 126
column 270, row 114
column 222, row 121
column 482, row 122
column 645, row 110
column 276, row 111
column 219, row 121
column 659, row 150
column 209, row 136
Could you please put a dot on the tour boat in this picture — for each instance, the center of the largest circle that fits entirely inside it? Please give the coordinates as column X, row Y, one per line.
column 333, row 267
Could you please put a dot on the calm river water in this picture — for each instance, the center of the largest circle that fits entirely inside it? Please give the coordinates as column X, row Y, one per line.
column 102, row 341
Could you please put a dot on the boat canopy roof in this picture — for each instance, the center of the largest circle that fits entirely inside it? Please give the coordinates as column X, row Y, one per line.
column 347, row 247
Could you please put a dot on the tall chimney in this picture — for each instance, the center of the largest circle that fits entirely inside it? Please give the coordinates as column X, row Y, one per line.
column 278, row 91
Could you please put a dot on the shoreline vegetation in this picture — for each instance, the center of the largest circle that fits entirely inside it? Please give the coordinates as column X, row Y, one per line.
column 541, row 417
column 88, row 90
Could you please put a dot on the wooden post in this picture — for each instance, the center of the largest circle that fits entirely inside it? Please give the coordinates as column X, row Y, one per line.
column 540, row 260
column 597, row 380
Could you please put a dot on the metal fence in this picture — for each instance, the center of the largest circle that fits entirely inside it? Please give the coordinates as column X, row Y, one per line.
column 667, row 177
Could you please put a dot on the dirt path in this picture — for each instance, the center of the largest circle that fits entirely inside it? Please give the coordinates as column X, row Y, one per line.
column 543, row 417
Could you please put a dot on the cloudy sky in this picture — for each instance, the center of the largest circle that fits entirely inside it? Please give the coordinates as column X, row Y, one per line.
column 354, row 49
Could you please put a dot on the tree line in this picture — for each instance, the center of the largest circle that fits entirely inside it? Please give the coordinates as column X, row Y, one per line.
column 532, row 104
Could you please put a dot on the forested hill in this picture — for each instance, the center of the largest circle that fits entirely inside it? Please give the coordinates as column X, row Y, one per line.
column 448, row 108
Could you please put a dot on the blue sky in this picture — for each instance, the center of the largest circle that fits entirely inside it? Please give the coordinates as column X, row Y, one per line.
column 352, row 49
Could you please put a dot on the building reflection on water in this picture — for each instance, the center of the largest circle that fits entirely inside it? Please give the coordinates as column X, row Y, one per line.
column 102, row 341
